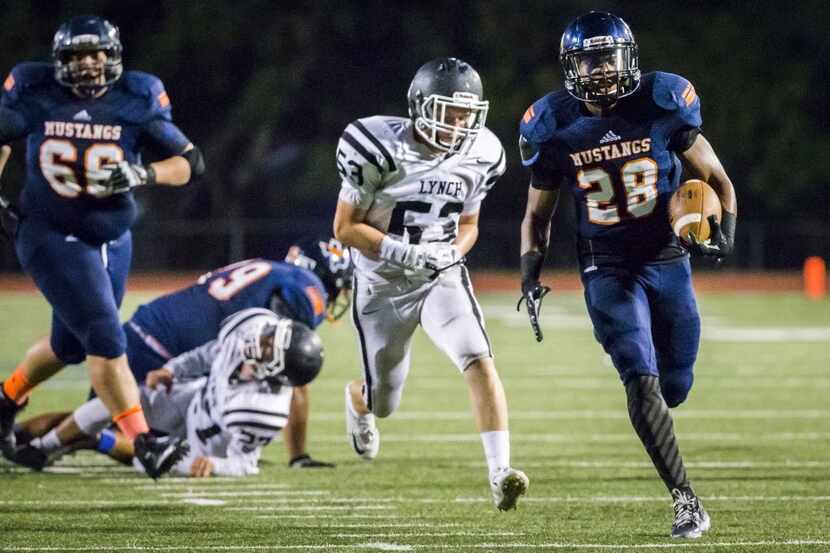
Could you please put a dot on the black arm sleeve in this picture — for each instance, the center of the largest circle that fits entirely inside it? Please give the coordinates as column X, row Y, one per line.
column 683, row 138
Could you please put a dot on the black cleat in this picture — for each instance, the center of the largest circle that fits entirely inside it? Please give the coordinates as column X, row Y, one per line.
column 8, row 410
column 31, row 457
column 690, row 518
column 158, row 452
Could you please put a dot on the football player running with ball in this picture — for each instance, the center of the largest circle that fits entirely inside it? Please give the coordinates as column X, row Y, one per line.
column 85, row 120
column 618, row 141
column 409, row 207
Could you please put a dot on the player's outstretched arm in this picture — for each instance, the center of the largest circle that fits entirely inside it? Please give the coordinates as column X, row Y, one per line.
column 179, row 170
column 541, row 205
column 295, row 431
column 700, row 161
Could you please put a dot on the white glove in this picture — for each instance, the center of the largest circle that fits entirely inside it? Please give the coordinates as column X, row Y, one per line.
column 440, row 255
column 118, row 178
column 410, row 256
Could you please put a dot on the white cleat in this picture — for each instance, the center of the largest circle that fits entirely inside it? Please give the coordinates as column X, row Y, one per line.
column 361, row 431
column 507, row 485
column 690, row 518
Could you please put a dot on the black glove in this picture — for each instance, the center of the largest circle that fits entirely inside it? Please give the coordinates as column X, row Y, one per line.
column 305, row 461
column 721, row 240
column 532, row 290
column 123, row 177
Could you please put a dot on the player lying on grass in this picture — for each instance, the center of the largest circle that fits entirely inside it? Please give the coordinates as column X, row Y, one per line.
column 229, row 397
column 312, row 285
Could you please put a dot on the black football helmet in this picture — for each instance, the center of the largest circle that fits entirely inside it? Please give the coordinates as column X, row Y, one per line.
column 281, row 350
column 447, row 84
column 599, row 58
column 332, row 263
column 87, row 33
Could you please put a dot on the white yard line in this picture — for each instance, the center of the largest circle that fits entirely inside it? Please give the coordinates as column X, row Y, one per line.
column 650, row 499
column 617, row 414
column 717, row 465
column 609, row 437
column 244, row 493
column 406, row 547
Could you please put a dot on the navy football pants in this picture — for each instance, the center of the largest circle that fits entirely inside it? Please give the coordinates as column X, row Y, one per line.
column 84, row 284
column 646, row 319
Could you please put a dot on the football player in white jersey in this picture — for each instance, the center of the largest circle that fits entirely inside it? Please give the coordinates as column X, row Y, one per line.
column 408, row 208
column 230, row 397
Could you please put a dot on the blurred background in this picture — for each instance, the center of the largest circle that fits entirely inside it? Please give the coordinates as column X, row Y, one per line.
column 265, row 89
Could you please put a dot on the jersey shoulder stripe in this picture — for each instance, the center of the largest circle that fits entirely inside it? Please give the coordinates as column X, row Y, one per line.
column 254, row 424
column 390, row 162
column 256, row 412
column 361, row 149
column 239, row 318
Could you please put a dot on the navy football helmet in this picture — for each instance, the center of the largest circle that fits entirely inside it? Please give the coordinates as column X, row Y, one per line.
column 332, row 263
column 447, row 84
column 599, row 58
column 87, row 34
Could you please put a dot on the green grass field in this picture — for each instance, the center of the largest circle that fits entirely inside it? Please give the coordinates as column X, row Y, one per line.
column 755, row 434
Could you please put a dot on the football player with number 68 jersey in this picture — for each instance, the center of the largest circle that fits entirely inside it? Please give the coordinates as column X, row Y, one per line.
column 85, row 121
column 409, row 207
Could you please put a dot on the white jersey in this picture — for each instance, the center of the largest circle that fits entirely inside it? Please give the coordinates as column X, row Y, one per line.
column 407, row 190
column 230, row 420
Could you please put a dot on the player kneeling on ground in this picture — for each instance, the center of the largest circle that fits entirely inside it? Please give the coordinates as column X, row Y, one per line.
column 230, row 397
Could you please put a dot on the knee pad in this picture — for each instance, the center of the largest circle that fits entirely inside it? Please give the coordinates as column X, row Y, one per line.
column 105, row 337
column 92, row 417
column 68, row 349
column 631, row 357
column 675, row 386
column 385, row 401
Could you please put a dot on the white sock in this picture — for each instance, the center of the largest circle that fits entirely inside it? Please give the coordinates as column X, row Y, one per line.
column 49, row 442
column 496, row 449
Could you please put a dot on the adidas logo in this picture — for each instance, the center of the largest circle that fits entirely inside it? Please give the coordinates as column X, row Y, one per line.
column 610, row 136
column 82, row 116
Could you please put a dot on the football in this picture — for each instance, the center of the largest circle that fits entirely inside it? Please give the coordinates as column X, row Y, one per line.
column 690, row 207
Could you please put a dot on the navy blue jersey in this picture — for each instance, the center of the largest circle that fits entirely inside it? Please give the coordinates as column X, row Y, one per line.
column 620, row 168
column 69, row 138
column 190, row 317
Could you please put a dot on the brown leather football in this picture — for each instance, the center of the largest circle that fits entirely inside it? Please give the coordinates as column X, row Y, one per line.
column 690, row 207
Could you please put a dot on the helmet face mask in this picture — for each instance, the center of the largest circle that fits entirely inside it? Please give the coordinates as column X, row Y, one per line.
column 447, row 105
column 264, row 347
column 86, row 53
column 437, row 120
column 332, row 263
column 599, row 59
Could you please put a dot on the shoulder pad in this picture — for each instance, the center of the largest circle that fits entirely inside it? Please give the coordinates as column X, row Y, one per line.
column 305, row 294
column 487, row 146
column 237, row 320
column 373, row 139
column 672, row 92
column 150, row 88
column 539, row 121
column 26, row 76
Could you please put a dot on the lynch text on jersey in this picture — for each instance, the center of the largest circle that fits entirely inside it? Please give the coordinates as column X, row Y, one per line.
column 449, row 187
column 81, row 130
column 612, row 151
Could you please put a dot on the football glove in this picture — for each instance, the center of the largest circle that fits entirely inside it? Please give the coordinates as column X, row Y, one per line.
column 410, row 256
column 441, row 256
column 305, row 461
column 121, row 177
column 533, row 292
column 721, row 240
